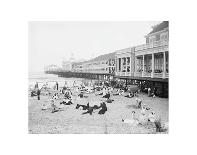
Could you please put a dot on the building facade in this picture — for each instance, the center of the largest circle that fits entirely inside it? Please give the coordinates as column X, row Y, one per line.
column 104, row 64
column 152, row 58
column 125, row 62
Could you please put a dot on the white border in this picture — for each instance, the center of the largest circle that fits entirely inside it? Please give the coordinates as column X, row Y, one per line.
column 14, row 46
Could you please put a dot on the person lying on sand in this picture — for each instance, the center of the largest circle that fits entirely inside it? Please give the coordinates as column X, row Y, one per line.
column 106, row 96
column 109, row 100
column 66, row 101
column 89, row 111
column 84, row 107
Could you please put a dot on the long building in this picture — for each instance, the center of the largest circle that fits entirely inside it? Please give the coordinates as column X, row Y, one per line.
column 147, row 63
column 103, row 65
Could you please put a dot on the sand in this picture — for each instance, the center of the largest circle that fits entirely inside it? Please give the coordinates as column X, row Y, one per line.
column 70, row 120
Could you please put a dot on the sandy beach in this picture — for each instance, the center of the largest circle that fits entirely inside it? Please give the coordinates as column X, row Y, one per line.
column 70, row 120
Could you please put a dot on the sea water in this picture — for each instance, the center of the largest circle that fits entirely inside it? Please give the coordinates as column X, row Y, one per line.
column 51, row 80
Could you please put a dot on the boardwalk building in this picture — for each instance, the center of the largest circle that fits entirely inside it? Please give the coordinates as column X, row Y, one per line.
column 102, row 67
column 147, row 63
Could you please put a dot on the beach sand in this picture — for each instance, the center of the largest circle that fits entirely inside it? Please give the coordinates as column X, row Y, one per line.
column 71, row 121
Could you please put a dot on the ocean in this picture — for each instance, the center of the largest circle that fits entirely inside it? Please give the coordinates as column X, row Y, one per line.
column 51, row 79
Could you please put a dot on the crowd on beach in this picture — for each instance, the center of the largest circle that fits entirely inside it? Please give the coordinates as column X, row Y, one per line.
column 67, row 95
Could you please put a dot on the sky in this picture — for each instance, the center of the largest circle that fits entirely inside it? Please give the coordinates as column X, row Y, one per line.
column 55, row 41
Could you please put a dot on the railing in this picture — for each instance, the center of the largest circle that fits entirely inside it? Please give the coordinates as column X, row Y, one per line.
column 158, row 75
column 138, row 74
column 123, row 74
column 167, row 75
column 151, row 45
column 146, row 74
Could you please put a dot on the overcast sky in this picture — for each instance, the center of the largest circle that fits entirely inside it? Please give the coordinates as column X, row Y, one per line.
column 51, row 42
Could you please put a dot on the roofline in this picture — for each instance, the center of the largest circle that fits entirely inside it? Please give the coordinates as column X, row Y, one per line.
column 148, row 35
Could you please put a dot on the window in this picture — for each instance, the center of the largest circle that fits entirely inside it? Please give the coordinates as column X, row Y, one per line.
column 119, row 67
column 157, row 37
column 128, row 68
column 147, row 40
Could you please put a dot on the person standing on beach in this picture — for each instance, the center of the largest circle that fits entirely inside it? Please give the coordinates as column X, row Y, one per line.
column 38, row 93
column 57, row 85
column 36, row 85
column 149, row 92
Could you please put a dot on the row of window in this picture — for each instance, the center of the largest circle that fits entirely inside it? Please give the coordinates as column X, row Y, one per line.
column 157, row 37
column 109, row 69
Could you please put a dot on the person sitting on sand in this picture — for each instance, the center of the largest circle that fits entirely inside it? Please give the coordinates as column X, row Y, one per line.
column 117, row 92
column 149, row 92
column 121, row 92
column 125, row 89
column 55, row 96
column 103, row 108
column 106, row 96
column 33, row 93
column 54, row 107
column 143, row 110
column 130, row 95
column 152, row 117
column 89, row 110
column 109, row 100
column 132, row 121
column 81, row 95
column 139, row 102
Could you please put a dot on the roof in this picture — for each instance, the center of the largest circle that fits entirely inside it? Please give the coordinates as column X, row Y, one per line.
column 160, row 27
column 99, row 58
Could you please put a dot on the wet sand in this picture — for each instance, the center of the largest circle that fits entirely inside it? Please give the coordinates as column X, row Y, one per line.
column 71, row 121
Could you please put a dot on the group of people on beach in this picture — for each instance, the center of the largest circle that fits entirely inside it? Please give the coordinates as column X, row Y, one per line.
column 65, row 97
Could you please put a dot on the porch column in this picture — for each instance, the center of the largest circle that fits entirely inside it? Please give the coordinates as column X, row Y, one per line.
column 164, row 64
column 153, row 66
column 135, row 70
column 130, row 66
column 126, row 66
column 143, row 66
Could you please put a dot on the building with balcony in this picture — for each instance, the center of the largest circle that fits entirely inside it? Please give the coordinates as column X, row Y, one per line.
column 152, row 58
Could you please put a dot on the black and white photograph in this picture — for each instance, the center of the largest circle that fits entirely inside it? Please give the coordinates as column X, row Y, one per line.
column 98, row 77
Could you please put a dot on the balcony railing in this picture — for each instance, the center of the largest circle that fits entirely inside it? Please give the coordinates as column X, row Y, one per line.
column 123, row 74
column 158, row 75
column 167, row 75
column 146, row 74
column 151, row 45
column 138, row 74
